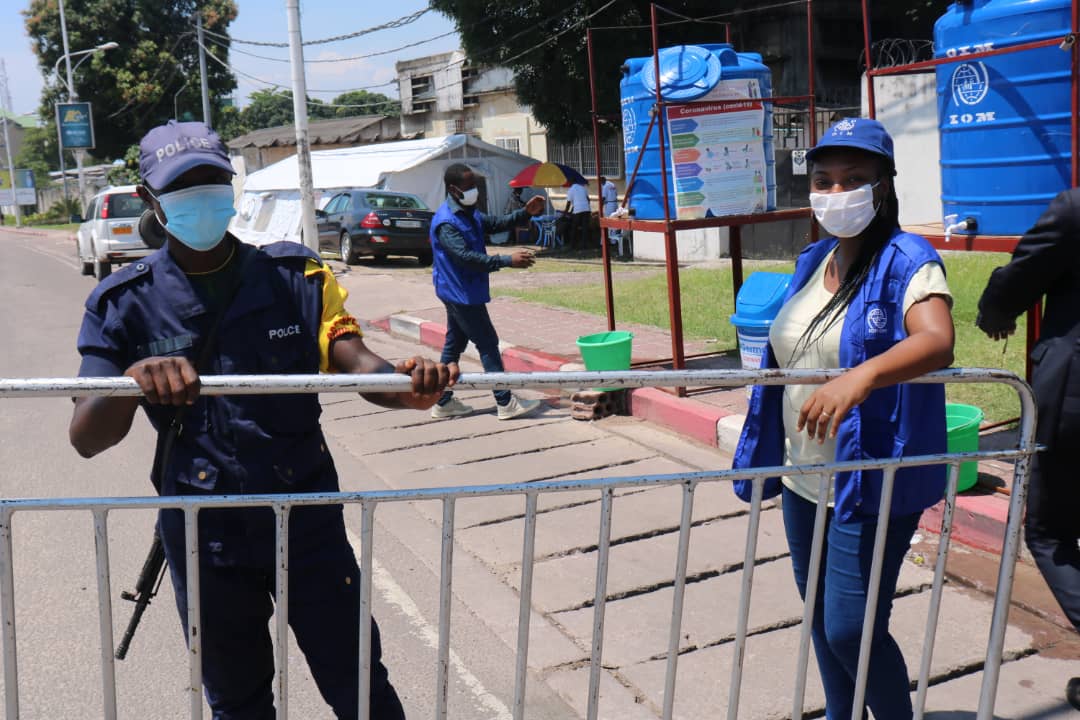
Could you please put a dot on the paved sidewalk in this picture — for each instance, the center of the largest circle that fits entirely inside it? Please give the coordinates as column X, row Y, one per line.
column 540, row 338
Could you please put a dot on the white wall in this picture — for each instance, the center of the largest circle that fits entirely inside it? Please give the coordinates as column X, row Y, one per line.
column 693, row 245
column 907, row 106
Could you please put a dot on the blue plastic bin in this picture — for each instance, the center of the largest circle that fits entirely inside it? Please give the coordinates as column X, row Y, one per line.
column 756, row 305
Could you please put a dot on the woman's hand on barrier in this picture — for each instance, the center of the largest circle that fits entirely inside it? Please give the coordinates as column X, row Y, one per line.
column 166, row 380
column 822, row 413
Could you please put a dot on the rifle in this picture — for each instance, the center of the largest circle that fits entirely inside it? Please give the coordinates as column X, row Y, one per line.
column 146, row 587
column 153, row 570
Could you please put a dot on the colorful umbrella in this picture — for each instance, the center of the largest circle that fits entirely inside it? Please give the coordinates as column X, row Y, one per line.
column 547, row 174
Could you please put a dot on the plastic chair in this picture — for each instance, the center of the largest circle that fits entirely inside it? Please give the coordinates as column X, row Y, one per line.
column 547, row 235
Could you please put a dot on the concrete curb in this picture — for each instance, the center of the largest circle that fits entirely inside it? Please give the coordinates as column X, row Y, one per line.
column 979, row 520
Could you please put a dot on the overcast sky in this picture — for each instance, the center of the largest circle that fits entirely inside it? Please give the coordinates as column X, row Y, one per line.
column 265, row 20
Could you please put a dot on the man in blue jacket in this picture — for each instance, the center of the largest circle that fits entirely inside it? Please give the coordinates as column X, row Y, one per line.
column 460, row 273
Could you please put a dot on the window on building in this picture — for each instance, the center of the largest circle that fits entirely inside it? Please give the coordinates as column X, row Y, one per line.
column 509, row 143
column 580, row 155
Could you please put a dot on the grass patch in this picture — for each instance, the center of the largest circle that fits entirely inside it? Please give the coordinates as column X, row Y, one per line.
column 707, row 303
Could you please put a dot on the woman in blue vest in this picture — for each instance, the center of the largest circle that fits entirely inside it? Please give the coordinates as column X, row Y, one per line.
column 873, row 299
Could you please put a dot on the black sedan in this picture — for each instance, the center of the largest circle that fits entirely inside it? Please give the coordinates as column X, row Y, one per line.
column 375, row 223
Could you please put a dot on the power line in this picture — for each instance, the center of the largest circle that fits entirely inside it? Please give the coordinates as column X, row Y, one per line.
column 399, row 22
column 562, row 32
column 342, row 59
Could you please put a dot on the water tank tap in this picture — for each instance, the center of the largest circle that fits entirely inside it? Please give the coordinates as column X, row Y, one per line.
column 952, row 225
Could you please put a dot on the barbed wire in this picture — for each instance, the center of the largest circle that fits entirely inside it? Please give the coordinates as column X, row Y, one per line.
column 390, row 25
column 893, row 52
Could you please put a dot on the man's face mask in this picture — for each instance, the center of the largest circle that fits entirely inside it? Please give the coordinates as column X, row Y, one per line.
column 198, row 216
column 845, row 214
column 468, row 197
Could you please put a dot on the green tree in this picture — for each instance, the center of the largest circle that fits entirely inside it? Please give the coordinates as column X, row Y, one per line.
column 266, row 109
column 541, row 42
column 366, row 103
column 132, row 86
column 38, row 153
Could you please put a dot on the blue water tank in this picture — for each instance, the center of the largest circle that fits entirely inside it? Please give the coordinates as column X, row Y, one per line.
column 694, row 73
column 1004, row 119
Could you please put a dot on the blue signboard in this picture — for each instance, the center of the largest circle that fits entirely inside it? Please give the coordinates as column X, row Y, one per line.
column 75, row 124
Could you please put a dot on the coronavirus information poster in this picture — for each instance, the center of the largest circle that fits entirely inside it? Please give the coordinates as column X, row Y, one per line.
column 718, row 158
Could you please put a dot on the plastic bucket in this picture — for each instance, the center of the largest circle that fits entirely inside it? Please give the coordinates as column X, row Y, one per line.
column 752, row 342
column 962, row 428
column 606, row 351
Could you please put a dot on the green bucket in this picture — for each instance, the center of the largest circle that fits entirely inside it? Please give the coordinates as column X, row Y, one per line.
column 962, row 428
column 606, row 351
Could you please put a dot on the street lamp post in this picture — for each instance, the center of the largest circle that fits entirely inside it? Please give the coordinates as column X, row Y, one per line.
column 71, row 98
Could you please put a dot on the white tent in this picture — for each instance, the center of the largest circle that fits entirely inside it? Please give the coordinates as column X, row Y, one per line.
column 269, row 208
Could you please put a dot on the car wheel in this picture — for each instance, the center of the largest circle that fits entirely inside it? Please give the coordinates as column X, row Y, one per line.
column 102, row 269
column 87, row 268
column 346, row 249
column 424, row 259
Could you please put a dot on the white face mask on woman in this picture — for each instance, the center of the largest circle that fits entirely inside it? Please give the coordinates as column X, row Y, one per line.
column 845, row 214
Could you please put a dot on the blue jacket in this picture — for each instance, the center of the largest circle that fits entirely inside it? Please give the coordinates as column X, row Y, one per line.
column 241, row 444
column 455, row 283
column 897, row 421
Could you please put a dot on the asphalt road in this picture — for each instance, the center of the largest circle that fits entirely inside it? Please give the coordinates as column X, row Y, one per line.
column 56, row 599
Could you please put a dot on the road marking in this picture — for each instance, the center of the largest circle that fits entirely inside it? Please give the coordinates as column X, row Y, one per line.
column 62, row 260
column 396, row 595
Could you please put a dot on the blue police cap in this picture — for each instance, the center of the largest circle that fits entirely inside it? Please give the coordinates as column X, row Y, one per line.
column 859, row 133
column 170, row 150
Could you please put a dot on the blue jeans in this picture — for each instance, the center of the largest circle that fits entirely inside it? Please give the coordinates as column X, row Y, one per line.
column 472, row 322
column 841, row 602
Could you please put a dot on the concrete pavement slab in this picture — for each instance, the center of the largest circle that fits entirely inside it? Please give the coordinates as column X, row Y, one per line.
column 769, row 667
column 1031, row 688
column 569, row 582
column 617, row 702
column 637, row 515
column 522, row 438
column 636, row 627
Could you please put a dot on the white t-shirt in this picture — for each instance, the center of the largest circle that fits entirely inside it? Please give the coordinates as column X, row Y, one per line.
column 578, row 195
column 823, row 352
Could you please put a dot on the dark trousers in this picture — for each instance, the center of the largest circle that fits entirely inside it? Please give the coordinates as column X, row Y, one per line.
column 472, row 322
column 579, row 230
column 324, row 607
column 841, row 601
column 1052, row 527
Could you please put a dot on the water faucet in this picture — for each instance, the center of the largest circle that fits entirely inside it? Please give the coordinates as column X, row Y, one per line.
column 952, row 225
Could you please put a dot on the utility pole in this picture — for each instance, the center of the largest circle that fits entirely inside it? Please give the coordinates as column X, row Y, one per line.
column 71, row 98
column 202, row 70
column 309, row 232
column 6, row 98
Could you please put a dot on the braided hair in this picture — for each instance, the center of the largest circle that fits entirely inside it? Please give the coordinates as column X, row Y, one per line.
column 874, row 238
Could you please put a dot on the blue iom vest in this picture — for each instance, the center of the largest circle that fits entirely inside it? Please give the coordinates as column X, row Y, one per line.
column 453, row 283
column 897, row 421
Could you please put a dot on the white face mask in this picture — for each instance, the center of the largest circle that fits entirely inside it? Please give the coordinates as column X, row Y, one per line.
column 845, row 214
column 469, row 197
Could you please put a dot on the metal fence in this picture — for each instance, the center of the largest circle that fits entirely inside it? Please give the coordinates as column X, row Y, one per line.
column 605, row 487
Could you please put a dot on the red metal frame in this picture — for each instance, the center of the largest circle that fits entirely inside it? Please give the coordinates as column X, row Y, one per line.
column 990, row 243
column 668, row 227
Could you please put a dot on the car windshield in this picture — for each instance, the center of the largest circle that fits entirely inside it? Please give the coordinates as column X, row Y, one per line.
column 384, row 201
column 127, row 205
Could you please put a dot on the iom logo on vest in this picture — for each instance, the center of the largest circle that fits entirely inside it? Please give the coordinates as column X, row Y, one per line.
column 279, row 333
column 877, row 321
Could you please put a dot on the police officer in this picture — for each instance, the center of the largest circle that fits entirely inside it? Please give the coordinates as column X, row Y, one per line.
column 277, row 309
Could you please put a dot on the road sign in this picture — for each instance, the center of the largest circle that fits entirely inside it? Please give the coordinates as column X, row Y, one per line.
column 76, row 125
column 24, row 188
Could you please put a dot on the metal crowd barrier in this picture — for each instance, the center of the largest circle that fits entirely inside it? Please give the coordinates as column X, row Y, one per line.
column 369, row 501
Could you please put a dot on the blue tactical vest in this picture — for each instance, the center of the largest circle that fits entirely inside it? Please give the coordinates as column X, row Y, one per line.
column 453, row 283
column 238, row 444
column 897, row 421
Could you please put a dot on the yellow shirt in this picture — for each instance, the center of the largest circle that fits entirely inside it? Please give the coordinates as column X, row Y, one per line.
column 823, row 352
column 336, row 321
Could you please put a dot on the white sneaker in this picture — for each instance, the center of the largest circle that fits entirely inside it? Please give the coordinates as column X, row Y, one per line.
column 517, row 408
column 454, row 408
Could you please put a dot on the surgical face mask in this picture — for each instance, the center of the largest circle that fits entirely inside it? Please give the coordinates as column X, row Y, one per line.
column 845, row 214
column 469, row 197
column 198, row 216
